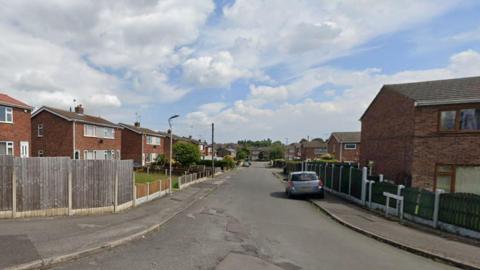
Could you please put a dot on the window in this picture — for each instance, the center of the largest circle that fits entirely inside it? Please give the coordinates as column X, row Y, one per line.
column 6, row 148
column 444, row 177
column 447, row 120
column 99, row 132
column 350, row 146
column 88, row 154
column 304, row 177
column 40, row 130
column 6, row 114
column 40, row 153
column 456, row 178
column 153, row 140
column 470, row 119
column 108, row 133
column 89, row 131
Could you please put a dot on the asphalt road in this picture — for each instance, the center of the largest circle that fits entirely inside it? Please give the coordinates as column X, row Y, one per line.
column 249, row 224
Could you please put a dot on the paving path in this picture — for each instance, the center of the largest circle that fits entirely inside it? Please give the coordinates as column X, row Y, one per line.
column 247, row 223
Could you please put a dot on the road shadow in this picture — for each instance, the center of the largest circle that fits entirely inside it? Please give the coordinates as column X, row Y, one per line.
column 279, row 195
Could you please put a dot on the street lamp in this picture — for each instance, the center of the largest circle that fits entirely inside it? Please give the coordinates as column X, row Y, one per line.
column 171, row 149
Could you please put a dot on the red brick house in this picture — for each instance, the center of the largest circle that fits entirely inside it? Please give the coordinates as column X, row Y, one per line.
column 426, row 134
column 294, row 151
column 314, row 149
column 345, row 146
column 74, row 134
column 15, row 127
column 142, row 145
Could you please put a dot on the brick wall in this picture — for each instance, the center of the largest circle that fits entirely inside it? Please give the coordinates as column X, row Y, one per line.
column 90, row 143
column 432, row 147
column 387, row 135
column 154, row 149
column 57, row 135
column 332, row 146
column 131, row 146
column 19, row 131
column 350, row 155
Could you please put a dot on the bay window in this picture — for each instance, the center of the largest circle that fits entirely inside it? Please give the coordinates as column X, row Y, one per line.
column 6, row 114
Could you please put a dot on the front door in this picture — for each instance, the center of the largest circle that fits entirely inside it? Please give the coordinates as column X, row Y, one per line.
column 24, row 149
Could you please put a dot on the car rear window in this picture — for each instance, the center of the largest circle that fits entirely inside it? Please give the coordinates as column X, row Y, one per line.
column 304, row 177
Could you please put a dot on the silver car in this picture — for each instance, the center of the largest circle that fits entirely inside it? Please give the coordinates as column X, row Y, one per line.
column 304, row 183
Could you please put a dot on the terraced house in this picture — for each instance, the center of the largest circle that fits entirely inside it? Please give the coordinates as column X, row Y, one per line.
column 57, row 132
column 426, row 134
column 15, row 128
column 142, row 145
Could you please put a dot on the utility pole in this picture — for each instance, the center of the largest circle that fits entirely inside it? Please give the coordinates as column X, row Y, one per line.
column 171, row 152
column 213, row 150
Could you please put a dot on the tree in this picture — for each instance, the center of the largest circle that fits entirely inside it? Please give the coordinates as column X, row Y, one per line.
column 243, row 154
column 186, row 153
column 276, row 152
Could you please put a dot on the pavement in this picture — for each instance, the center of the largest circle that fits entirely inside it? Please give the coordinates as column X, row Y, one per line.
column 248, row 223
column 460, row 254
column 38, row 242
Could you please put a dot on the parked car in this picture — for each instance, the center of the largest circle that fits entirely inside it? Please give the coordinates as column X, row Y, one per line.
column 304, row 183
column 246, row 163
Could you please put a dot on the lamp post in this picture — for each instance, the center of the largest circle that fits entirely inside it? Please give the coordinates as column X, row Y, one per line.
column 171, row 149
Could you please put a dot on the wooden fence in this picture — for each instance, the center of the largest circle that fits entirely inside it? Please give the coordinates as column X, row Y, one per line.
column 51, row 186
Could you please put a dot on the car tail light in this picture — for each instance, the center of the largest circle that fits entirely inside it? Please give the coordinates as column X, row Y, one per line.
column 290, row 183
column 320, row 183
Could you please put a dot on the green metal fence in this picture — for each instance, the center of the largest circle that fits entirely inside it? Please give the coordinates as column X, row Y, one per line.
column 328, row 176
column 418, row 202
column 336, row 178
column 461, row 209
column 377, row 193
column 345, row 172
column 357, row 183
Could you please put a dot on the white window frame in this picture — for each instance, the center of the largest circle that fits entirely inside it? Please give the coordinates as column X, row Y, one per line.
column 85, row 127
column 105, row 132
column 39, row 128
column 153, row 140
column 8, row 111
column 40, row 153
column 350, row 148
column 9, row 145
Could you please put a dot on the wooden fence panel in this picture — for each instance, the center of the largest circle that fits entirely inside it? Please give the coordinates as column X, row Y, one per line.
column 125, row 180
column 154, row 187
column 141, row 190
column 6, row 170
column 42, row 183
column 93, row 183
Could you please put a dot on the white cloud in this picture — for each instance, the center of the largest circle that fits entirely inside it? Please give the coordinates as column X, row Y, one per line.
column 340, row 112
column 218, row 70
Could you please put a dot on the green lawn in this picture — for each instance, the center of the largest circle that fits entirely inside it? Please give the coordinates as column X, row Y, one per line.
column 143, row 177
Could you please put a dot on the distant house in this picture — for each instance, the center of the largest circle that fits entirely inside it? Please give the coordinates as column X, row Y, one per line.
column 74, row 134
column 345, row 146
column 294, row 151
column 15, row 127
column 259, row 153
column 426, row 134
column 142, row 145
column 313, row 149
column 223, row 152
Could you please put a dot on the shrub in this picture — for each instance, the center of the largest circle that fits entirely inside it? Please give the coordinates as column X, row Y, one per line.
column 186, row 153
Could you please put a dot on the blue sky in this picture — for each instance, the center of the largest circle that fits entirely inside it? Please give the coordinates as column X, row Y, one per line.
column 258, row 69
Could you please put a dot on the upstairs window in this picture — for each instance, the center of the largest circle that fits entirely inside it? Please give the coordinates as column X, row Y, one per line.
column 470, row 119
column 89, row 131
column 448, row 120
column 40, row 130
column 350, row 146
column 109, row 133
column 153, row 140
column 6, row 114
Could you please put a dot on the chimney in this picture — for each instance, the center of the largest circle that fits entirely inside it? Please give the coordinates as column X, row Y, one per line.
column 79, row 109
column 137, row 124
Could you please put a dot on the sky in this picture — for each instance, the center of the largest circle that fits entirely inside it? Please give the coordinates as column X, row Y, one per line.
column 278, row 69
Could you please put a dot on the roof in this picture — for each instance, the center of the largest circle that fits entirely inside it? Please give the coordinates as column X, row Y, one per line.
column 142, row 130
column 347, row 137
column 73, row 116
column 450, row 91
column 9, row 101
column 314, row 144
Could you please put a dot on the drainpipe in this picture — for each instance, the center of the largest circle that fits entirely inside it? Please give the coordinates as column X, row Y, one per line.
column 341, row 152
column 143, row 150
column 74, row 140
